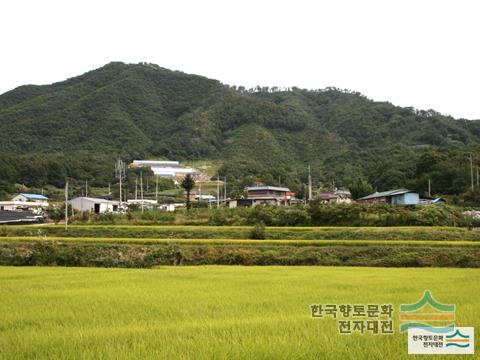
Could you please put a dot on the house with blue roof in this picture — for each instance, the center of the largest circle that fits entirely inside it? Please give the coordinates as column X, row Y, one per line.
column 26, row 202
column 24, row 197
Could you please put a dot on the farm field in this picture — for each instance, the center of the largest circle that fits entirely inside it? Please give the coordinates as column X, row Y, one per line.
column 212, row 311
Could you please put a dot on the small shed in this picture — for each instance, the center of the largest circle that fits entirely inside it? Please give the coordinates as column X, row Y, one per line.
column 394, row 197
column 96, row 205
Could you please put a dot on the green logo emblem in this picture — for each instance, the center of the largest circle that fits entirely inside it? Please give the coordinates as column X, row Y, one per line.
column 427, row 312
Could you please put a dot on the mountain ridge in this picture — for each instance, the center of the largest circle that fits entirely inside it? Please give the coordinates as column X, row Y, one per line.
column 82, row 124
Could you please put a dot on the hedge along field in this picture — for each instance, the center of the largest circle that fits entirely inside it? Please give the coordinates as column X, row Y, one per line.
column 98, row 253
column 245, row 232
column 212, row 312
column 214, row 241
column 315, row 213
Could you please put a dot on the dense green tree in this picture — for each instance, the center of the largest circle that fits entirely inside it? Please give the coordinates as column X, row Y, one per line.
column 360, row 188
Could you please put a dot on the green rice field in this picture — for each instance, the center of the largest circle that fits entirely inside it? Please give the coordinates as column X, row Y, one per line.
column 212, row 312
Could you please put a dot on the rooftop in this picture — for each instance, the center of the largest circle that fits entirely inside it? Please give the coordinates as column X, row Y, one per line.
column 97, row 200
column 387, row 193
column 33, row 196
column 266, row 187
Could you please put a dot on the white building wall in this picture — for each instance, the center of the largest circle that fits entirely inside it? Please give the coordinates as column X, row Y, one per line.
column 80, row 204
column 88, row 204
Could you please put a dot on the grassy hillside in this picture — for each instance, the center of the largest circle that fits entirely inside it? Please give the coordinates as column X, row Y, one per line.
column 78, row 127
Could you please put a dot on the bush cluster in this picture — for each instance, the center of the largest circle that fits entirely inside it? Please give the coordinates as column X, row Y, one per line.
column 314, row 214
column 50, row 253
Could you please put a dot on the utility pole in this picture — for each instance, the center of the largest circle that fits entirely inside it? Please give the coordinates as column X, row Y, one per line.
column 309, row 184
column 66, row 206
column 109, row 189
column 471, row 169
column 86, row 188
column 429, row 188
column 225, row 194
column 156, row 188
column 136, row 187
column 141, row 189
column 218, row 191
column 120, row 175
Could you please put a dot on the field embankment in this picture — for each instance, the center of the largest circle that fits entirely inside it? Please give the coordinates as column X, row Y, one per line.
column 245, row 232
column 151, row 246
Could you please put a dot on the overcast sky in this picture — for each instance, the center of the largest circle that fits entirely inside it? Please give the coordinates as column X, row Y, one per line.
column 420, row 53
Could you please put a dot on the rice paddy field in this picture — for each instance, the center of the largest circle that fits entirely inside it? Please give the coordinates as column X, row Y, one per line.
column 110, row 292
column 205, row 312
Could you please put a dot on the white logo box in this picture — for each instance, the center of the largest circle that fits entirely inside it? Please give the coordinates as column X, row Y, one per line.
column 438, row 340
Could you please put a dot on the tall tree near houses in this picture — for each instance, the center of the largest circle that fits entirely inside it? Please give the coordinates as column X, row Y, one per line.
column 360, row 188
column 187, row 184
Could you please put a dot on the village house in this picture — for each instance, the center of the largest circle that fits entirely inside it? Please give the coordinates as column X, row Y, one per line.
column 34, row 198
column 207, row 198
column 335, row 197
column 265, row 195
column 26, row 202
column 393, row 197
column 30, row 197
column 95, row 205
column 147, row 203
column 164, row 168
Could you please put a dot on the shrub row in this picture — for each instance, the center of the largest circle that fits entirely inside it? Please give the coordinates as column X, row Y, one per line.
column 47, row 253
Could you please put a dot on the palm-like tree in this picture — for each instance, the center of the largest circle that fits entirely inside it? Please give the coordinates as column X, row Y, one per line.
column 187, row 184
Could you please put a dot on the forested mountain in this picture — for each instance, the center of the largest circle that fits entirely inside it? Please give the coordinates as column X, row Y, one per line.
column 78, row 127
